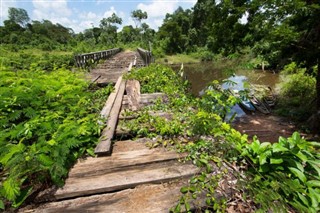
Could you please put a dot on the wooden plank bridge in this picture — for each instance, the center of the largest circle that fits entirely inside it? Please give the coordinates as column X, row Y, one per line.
column 126, row 176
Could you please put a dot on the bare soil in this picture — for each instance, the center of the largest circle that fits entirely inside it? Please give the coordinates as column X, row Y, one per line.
column 268, row 128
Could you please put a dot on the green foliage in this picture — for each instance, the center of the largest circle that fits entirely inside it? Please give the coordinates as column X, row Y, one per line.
column 47, row 121
column 297, row 93
column 287, row 171
column 290, row 167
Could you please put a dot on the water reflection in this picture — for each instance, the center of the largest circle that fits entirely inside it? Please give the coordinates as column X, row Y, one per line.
column 200, row 75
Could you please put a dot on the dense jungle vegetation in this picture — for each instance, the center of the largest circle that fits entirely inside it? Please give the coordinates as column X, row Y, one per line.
column 48, row 113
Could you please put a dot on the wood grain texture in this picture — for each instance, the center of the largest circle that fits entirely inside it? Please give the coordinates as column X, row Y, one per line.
column 121, row 161
column 154, row 198
column 133, row 94
column 104, row 145
column 119, row 180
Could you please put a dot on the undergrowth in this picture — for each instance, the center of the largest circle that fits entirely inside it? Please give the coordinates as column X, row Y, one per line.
column 47, row 121
column 274, row 177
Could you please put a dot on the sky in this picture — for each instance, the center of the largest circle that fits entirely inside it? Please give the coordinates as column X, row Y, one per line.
column 83, row 14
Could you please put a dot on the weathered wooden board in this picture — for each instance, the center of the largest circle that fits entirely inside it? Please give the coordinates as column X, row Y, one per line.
column 120, row 161
column 104, row 146
column 133, row 94
column 105, row 112
column 155, row 198
column 145, row 99
column 133, row 176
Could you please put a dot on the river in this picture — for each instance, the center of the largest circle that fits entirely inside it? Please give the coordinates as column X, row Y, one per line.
column 266, row 127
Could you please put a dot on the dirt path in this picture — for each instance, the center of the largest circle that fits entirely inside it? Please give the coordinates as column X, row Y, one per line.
column 265, row 127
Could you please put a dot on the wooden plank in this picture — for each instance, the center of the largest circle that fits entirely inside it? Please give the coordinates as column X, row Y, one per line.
column 158, row 113
column 151, row 173
column 155, row 198
column 133, row 94
column 121, row 161
column 105, row 112
column 104, row 145
column 145, row 98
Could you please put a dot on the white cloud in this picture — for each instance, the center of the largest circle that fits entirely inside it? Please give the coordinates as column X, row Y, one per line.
column 158, row 8
column 4, row 6
column 55, row 11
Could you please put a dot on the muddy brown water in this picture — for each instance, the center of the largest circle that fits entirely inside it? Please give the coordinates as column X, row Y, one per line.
column 265, row 127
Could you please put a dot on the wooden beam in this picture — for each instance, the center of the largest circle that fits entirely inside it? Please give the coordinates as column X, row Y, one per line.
column 104, row 145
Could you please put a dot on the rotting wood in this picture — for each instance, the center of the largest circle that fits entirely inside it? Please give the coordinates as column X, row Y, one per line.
column 104, row 146
column 133, row 94
column 151, row 173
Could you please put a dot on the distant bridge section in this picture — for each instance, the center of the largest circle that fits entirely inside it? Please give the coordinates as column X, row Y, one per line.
column 83, row 60
column 146, row 56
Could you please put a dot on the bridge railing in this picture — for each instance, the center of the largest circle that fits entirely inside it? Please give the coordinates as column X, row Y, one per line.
column 146, row 56
column 83, row 60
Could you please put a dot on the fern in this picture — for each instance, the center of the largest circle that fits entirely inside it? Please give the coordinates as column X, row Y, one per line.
column 47, row 120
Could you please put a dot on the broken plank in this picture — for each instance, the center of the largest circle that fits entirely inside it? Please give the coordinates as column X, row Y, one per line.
column 152, row 173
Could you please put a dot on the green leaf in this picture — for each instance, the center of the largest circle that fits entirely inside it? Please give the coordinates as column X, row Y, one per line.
column 303, row 199
column 298, row 174
column 277, row 147
column 315, row 165
column 313, row 183
column 1, row 205
column 22, row 197
column 302, row 157
column 296, row 136
column 184, row 189
column 11, row 188
column 263, row 158
column 314, row 198
column 255, row 146
column 276, row 160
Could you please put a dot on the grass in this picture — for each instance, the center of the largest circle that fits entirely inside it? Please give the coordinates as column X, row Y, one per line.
column 177, row 59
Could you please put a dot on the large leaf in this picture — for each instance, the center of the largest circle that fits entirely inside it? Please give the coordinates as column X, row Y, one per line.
column 298, row 174
column 277, row 147
column 315, row 165
column 313, row 183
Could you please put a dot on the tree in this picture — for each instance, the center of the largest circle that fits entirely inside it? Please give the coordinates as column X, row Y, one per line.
column 137, row 16
column 18, row 15
column 109, row 29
